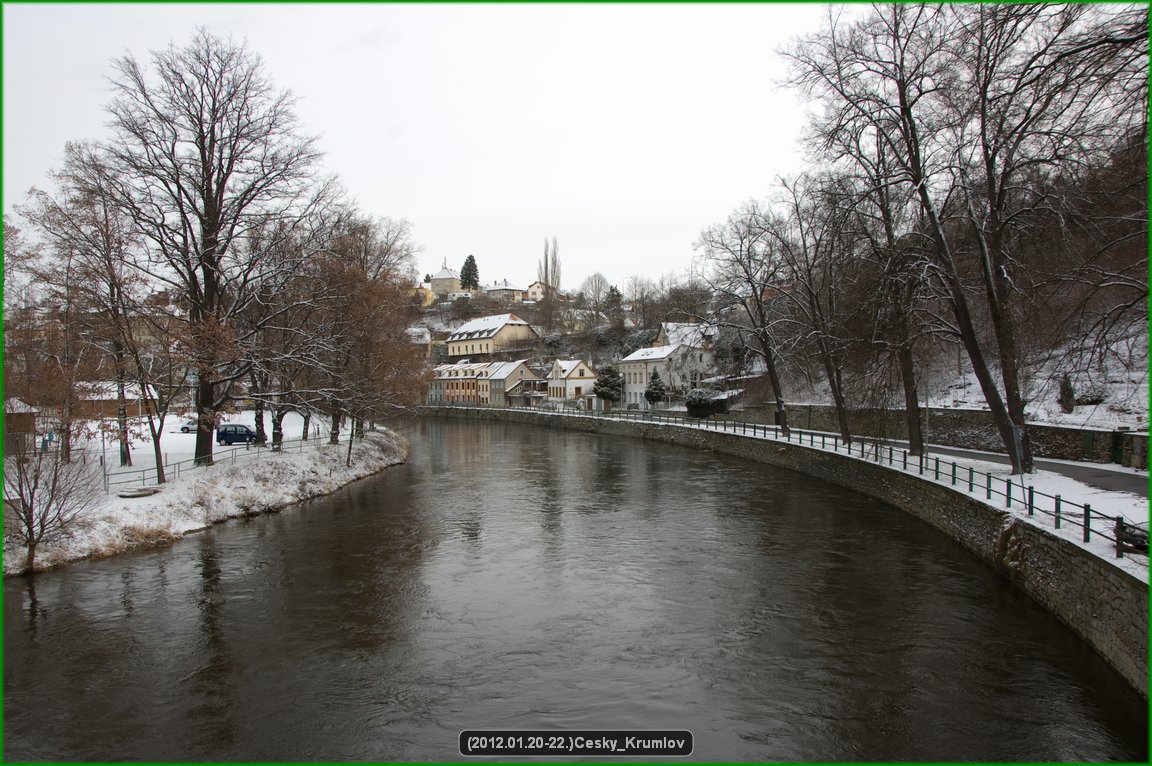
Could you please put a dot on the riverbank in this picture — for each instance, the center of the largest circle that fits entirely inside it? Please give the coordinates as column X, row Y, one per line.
column 210, row 495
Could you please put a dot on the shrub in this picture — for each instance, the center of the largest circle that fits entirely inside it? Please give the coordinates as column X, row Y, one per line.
column 1067, row 397
column 701, row 404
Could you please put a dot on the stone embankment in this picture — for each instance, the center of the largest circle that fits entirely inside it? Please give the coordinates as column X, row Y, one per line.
column 1103, row 604
column 970, row 429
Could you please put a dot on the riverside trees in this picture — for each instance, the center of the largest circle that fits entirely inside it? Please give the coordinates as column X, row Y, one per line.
column 210, row 193
column 965, row 149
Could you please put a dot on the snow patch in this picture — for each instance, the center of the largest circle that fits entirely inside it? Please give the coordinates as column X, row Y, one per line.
column 261, row 482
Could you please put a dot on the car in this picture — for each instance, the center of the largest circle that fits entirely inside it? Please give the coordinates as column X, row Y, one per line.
column 189, row 426
column 230, row 433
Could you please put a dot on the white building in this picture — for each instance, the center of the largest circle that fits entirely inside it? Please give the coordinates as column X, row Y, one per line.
column 504, row 292
column 570, row 379
column 681, row 368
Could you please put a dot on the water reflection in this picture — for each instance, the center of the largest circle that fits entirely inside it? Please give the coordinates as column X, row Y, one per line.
column 516, row 577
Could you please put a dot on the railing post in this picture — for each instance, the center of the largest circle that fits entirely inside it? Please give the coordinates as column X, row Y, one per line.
column 1118, row 531
column 1007, row 493
column 937, row 474
column 988, row 484
column 1087, row 522
column 905, row 459
column 1057, row 511
column 921, row 464
column 971, row 483
column 953, row 473
column 1031, row 498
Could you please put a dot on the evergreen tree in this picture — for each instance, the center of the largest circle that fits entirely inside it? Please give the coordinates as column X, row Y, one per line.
column 609, row 385
column 1067, row 398
column 655, row 391
column 614, row 307
column 470, row 275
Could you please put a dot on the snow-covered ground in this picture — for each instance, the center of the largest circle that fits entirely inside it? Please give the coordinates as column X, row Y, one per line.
column 1118, row 381
column 242, row 482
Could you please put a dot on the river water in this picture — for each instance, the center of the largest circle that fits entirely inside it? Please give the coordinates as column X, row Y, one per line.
column 512, row 577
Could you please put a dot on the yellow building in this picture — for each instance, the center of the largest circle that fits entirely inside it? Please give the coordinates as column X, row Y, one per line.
column 490, row 335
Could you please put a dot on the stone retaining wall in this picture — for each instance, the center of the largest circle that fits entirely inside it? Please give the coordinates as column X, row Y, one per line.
column 970, row 429
column 1103, row 604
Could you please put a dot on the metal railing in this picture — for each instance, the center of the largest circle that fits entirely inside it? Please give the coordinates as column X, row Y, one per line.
column 966, row 479
column 144, row 477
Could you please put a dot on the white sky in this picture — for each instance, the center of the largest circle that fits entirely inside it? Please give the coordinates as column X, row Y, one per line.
column 622, row 130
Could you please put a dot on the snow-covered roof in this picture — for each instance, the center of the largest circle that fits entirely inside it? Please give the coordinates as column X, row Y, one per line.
column 501, row 370
column 567, row 366
column 419, row 334
column 18, row 407
column 486, row 370
column 484, row 327
column 687, row 333
column 445, row 273
column 503, row 284
column 654, row 354
column 462, row 370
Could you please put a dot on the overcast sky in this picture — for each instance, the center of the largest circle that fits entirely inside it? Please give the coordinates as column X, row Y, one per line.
column 622, row 130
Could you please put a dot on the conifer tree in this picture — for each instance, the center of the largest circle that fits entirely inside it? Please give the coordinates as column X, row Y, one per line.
column 655, row 391
column 469, row 274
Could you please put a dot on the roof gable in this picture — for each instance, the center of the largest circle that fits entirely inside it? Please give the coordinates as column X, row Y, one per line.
column 485, row 327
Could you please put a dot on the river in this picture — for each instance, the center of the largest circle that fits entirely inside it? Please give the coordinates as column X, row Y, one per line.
column 513, row 577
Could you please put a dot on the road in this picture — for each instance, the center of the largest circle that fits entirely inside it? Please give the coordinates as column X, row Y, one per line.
column 1106, row 476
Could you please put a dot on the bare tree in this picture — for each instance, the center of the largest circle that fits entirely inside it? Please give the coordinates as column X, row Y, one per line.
column 205, row 155
column 89, row 241
column 44, row 495
column 640, row 292
column 972, row 105
column 595, row 291
column 806, row 235
column 747, row 279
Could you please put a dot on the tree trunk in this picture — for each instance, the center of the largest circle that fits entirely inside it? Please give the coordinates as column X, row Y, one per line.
column 334, row 434
column 30, row 558
column 911, row 399
column 968, row 337
column 206, row 418
column 278, row 426
column 261, row 433
column 774, row 380
column 834, row 380
column 155, row 429
column 307, row 425
column 122, row 411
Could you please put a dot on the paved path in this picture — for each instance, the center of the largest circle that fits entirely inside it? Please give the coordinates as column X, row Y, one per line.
column 1102, row 476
